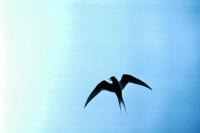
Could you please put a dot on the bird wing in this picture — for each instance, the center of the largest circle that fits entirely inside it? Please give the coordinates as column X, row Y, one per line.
column 128, row 78
column 103, row 85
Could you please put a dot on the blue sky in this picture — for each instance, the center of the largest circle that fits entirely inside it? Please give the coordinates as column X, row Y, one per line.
column 57, row 51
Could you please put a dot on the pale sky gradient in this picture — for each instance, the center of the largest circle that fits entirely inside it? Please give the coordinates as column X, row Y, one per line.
column 53, row 53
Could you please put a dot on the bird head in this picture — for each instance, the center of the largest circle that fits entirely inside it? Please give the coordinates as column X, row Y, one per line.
column 112, row 78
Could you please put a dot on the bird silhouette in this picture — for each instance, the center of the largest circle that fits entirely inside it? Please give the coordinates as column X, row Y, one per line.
column 116, row 87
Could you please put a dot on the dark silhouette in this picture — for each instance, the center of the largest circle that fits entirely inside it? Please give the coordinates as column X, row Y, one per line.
column 116, row 87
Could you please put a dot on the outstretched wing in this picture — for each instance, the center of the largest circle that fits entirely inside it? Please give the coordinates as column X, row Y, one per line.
column 128, row 78
column 103, row 85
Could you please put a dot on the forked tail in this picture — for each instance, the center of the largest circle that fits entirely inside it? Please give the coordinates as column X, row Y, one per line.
column 120, row 100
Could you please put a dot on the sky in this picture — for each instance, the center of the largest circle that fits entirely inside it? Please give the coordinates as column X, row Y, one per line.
column 54, row 52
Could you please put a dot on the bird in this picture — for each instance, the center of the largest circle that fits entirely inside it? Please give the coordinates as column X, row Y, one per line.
column 116, row 87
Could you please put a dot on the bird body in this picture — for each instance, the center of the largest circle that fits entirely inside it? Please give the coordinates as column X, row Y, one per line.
column 116, row 87
column 118, row 91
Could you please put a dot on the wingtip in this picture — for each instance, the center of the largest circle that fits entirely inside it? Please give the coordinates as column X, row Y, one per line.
column 85, row 105
column 148, row 87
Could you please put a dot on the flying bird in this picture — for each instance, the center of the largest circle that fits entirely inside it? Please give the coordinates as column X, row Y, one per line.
column 116, row 87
